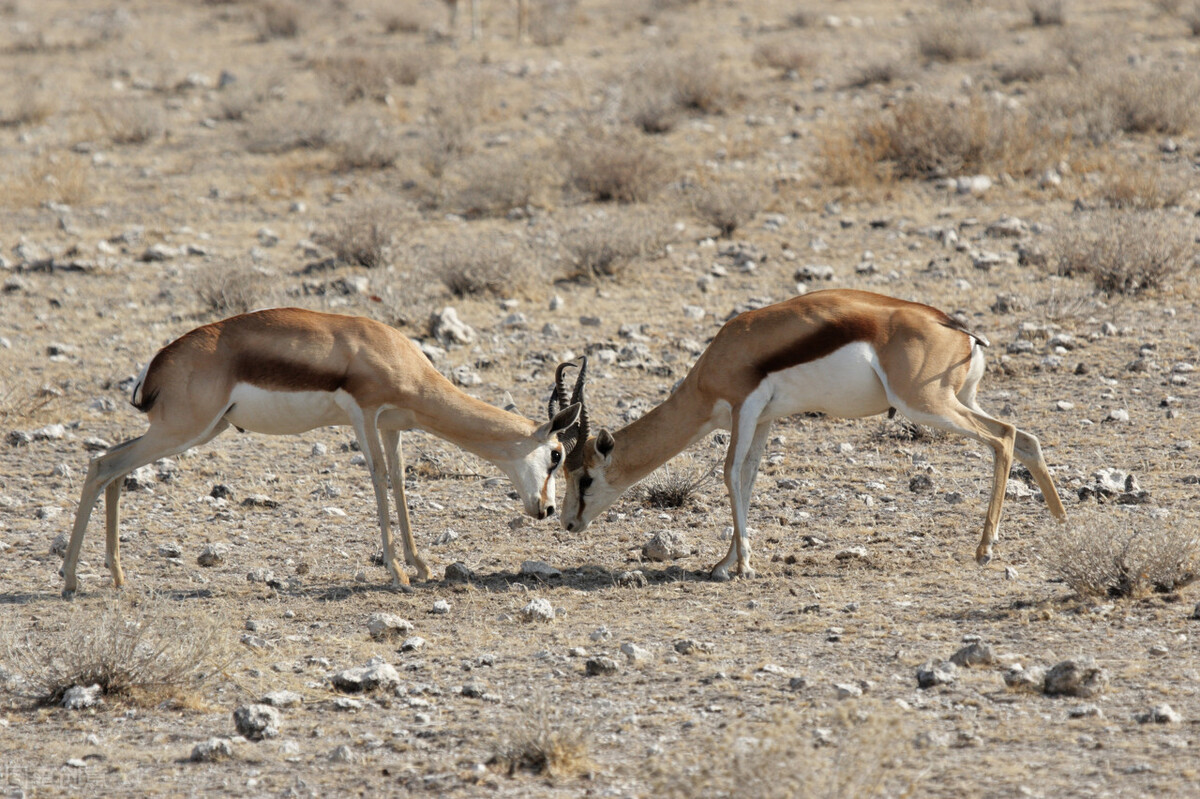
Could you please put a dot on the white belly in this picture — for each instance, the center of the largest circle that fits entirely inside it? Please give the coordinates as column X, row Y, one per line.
column 843, row 384
column 282, row 412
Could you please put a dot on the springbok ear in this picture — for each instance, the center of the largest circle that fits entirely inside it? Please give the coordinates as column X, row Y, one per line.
column 565, row 419
column 605, row 443
column 508, row 403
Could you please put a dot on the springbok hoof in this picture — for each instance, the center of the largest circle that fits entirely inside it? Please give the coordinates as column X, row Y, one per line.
column 719, row 574
column 983, row 557
column 68, row 594
column 747, row 573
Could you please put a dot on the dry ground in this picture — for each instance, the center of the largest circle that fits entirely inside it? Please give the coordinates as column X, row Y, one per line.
column 142, row 194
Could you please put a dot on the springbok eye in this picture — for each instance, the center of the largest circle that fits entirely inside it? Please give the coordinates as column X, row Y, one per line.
column 585, row 483
column 555, row 458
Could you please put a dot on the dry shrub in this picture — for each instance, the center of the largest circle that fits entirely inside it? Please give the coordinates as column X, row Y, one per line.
column 954, row 37
column 928, row 137
column 31, row 106
column 456, row 107
column 546, row 738
column 362, row 236
column 372, row 76
column 786, row 55
column 363, row 141
column 497, row 182
column 20, row 401
column 607, row 241
column 1124, row 100
column 234, row 289
column 281, row 130
column 677, row 483
column 726, row 203
column 1043, row 13
column 54, row 177
column 852, row 753
column 622, row 166
column 1032, row 68
column 665, row 85
column 551, row 20
column 1141, row 187
column 1115, row 554
column 488, row 263
column 132, row 122
column 135, row 648
column 279, row 19
column 880, row 71
column 1124, row 252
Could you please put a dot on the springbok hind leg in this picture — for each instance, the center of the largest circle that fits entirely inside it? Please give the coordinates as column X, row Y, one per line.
column 395, row 464
column 1028, row 450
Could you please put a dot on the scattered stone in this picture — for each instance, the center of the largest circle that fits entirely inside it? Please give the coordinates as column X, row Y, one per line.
column 1007, row 227
column 212, row 555
column 79, row 698
column 852, row 553
column 688, row 646
column 637, row 655
column 259, row 501
column 384, row 626
column 474, row 690
column 632, row 579
column 256, row 722
column 343, row 754
column 58, row 546
column 1020, row 678
column 847, row 690
column 535, row 568
column 348, row 705
column 920, row 483
column 376, row 674
column 538, row 609
column 973, row 184
column 1081, row 678
column 170, row 550
column 932, row 673
column 1160, row 714
column 448, row 329
column 1085, row 711
column 465, row 376
column 813, row 272
column 600, row 667
column 283, row 699
column 212, row 750
column 458, row 572
column 666, row 545
column 413, row 643
column 797, row 683
column 975, row 654
column 440, row 608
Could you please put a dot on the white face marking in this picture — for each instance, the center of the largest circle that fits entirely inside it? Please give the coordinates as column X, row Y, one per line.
column 283, row 412
column 533, row 477
column 595, row 498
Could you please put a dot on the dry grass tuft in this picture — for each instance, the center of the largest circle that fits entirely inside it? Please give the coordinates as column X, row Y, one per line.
column 31, row 106
column 137, row 122
column 787, row 55
column 929, row 137
column 362, row 236
column 488, row 263
column 621, row 166
column 853, row 753
column 677, row 483
column 230, row 290
column 1124, row 100
column 456, row 107
column 498, row 182
column 363, row 141
column 20, row 401
column 1044, row 13
column 878, row 72
column 1033, row 67
column 1141, row 187
column 281, row 130
column 54, row 177
column 608, row 241
column 134, row 648
column 279, row 19
column 372, row 76
column 1123, row 252
column 546, row 740
column 725, row 203
column 663, row 87
column 1112, row 554
column 953, row 37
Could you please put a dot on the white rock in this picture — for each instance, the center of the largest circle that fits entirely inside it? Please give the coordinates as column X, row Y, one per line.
column 387, row 625
column 538, row 609
column 79, row 698
column 212, row 750
column 536, row 568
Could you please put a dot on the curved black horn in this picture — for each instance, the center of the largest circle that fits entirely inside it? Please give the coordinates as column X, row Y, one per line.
column 558, row 396
column 582, row 425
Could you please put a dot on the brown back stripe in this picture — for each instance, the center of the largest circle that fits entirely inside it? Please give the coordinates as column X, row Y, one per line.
column 284, row 375
column 830, row 337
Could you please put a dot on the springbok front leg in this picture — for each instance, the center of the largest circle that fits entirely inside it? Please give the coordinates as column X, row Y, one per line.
column 368, row 442
column 395, row 464
column 746, row 444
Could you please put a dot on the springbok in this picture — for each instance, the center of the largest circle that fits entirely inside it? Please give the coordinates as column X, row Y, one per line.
column 452, row 11
column 287, row 370
column 843, row 353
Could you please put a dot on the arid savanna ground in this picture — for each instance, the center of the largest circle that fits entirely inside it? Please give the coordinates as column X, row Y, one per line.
column 616, row 183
